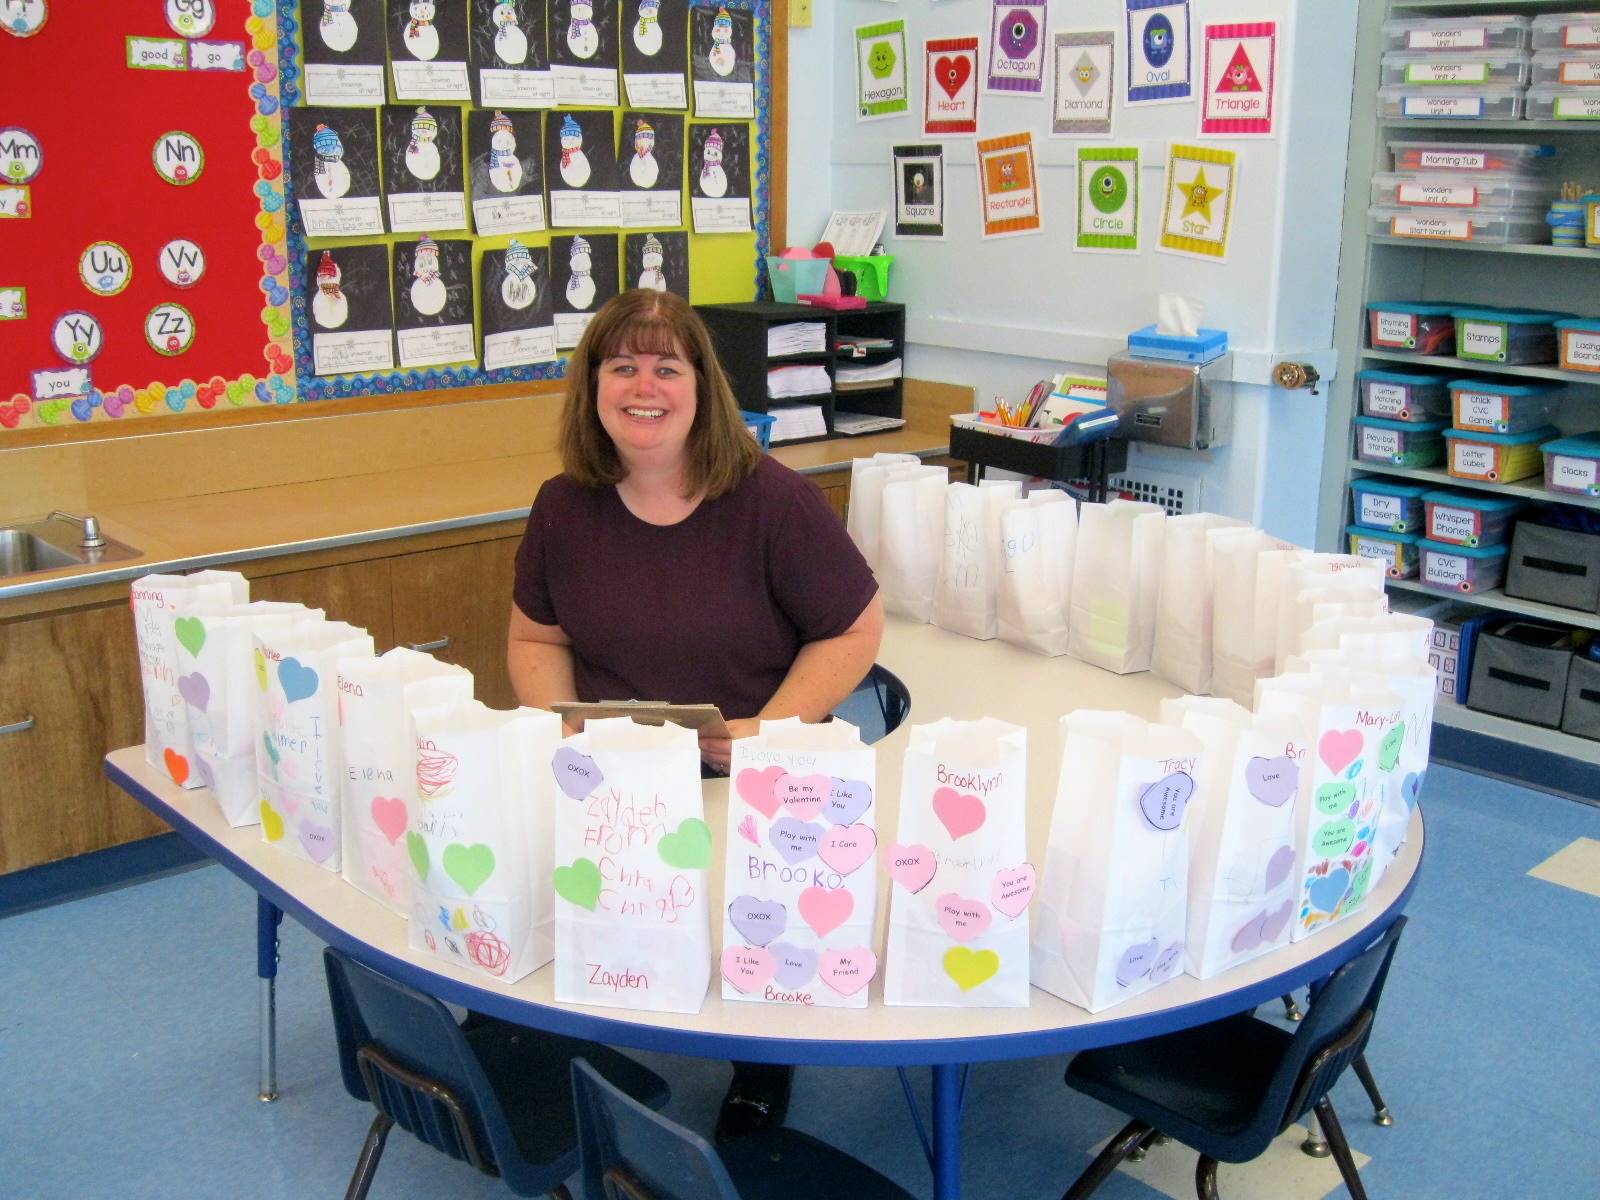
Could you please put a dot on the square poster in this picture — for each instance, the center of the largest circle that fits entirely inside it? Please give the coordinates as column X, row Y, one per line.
column 351, row 310
column 512, row 66
column 581, row 169
column 1197, row 212
column 1238, row 80
column 507, row 169
column 433, row 302
column 583, row 272
column 950, row 87
column 583, row 52
column 919, row 191
column 1085, row 81
column 655, row 46
column 346, row 53
column 1108, row 199
column 650, row 170
column 657, row 260
column 1158, row 51
column 333, row 169
column 1016, row 47
column 428, row 51
column 882, row 89
column 722, row 55
column 719, row 156
column 515, row 301
column 422, row 172
column 1009, row 186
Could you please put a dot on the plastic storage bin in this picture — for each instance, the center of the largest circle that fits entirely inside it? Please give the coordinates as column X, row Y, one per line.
column 1467, row 518
column 1478, row 103
column 1566, row 68
column 1463, row 569
column 1500, row 406
column 871, row 272
column 1519, row 225
column 1404, row 395
column 1411, row 327
column 1514, row 336
column 1435, row 189
column 1554, row 566
column 792, row 277
column 1397, row 551
column 1430, row 68
column 1399, row 443
column 760, row 427
column 1389, row 507
column 1581, row 713
column 1517, row 158
column 1572, row 464
column 1579, row 347
column 1495, row 457
column 1519, row 670
column 1456, row 33
column 1567, row 31
column 1546, row 103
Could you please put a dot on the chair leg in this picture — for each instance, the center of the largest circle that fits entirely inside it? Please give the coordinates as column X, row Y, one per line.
column 1117, row 1149
column 1341, row 1149
column 1380, row 1111
column 1314, row 1145
column 559, row 1192
column 1205, row 1178
column 1291, row 1010
column 371, row 1152
column 1150, row 1139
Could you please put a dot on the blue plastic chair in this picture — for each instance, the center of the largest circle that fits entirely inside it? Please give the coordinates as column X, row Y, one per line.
column 1228, row 1088
column 495, row 1095
column 628, row 1152
column 878, row 706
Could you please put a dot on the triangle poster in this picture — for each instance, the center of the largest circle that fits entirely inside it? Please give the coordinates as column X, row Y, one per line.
column 1239, row 80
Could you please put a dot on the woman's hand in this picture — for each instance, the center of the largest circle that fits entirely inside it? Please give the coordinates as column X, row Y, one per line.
column 717, row 752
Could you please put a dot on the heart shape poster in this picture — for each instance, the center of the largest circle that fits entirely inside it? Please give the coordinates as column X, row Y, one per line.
column 950, row 87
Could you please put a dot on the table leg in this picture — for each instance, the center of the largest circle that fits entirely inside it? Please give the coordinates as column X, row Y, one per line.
column 947, row 1097
column 268, row 917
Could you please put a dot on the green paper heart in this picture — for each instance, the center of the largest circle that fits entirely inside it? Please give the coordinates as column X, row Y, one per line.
column 272, row 752
column 259, row 124
column 278, row 323
column 469, row 866
column 191, row 633
column 51, row 411
column 579, row 883
column 268, row 137
column 1389, row 751
column 689, row 849
column 418, row 849
column 235, row 392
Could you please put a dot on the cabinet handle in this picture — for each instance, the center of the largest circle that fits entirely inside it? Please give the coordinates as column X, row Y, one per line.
column 21, row 726
column 428, row 647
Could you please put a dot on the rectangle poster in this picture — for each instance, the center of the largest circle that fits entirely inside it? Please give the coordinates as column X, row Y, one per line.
column 1009, row 185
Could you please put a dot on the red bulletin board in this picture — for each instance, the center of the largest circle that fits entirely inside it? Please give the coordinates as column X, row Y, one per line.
column 97, row 121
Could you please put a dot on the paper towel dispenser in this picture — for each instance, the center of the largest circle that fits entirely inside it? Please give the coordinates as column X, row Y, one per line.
column 1187, row 405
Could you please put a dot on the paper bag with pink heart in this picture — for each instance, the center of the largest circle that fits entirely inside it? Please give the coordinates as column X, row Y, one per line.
column 1113, row 904
column 801, row 889
column 479, row 827
column 961, row 879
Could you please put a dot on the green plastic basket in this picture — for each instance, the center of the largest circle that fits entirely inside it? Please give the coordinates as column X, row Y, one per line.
column 871, row 272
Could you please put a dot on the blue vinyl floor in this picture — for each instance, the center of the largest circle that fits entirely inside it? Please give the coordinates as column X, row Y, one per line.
column 128, row 1050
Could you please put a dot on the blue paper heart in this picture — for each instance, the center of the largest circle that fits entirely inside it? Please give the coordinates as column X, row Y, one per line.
column 1412, row 788
column 258, row 90
column 262, row 393
column 267, row 105
column 96, row 397
column 1325, row 893
column 299, row 681
column 175, row 400
column 277, row 295
column 271, row 202
column 263, row 8
column 187, row 389
column 1355, row 769
column 82, row 408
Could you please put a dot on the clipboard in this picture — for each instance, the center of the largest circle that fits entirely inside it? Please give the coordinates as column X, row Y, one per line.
column 702, row 718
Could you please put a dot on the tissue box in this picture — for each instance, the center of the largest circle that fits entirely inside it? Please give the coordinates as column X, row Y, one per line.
column 1204, row 347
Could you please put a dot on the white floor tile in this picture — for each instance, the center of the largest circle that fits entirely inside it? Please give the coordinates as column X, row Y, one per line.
column 1576, row 866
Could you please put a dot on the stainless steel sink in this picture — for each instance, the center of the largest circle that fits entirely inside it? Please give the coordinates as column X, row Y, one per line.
column 49, row 544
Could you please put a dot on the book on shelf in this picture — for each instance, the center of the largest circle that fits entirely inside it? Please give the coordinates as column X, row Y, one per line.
column 794, row 421
column 797, row 337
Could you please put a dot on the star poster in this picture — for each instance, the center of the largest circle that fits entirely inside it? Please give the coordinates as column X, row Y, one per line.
column 1197, row 209
column 1159, row 52
column 950, row 87
column 1085, row 69
column 1016, row 47
column 1239, row 80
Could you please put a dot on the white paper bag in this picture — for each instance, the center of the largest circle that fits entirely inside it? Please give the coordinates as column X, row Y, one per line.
column 1116, row 580
column 1184, row 612
column 863, row 515
column 1038, row 539
column 970, row 563
column 377, row 697
column 1314, row 579
column 912, row 537
column 1243, row 643
column 958, row 913
column 633, row 927
column 1113, row 902
column 299, row 764
column 801, row 888
column 169, row 640
column 479, row 834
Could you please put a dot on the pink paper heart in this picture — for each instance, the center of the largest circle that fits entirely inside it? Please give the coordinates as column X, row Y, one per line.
column 1013, row 888
column 846, row 847
column 848, row 971
column 389, row 815
column 748, row 968
column 958, row 812
column 826, row 910
column 912, row 867
column 266, row 72
column 962, row 918
column 1339, row 748
column 803, row 795
column 756, row 788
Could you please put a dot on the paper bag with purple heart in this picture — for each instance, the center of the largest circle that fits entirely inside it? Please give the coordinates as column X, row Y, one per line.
column 801, row 888
column 966, row 592
column 1113, row 903
column 632, row 876
column 376, row 699
column 1245, row 565
column 1116, row 581
column 1184, row 611
column 1038, row 538
column 478, row 836
column 961, row 880
column 299, row 759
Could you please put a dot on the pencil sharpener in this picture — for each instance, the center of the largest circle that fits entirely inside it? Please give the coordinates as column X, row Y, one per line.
column 1185, row 405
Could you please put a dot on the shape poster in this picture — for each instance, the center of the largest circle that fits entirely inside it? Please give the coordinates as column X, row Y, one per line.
column 511, row 64
column 950, row 87
column 1016, row 47
column 919, row 191
column 352, row 314
column 1108, row 199
column 422, row 169
column 433, row 302
column 655, row 45
column 719, row 156
column 1197, row 212
column 581, row 167
column 1085, row 81
column 1158, row 51
column 657, row 260
column 650, row 170
column 1239, row 80
column 333, row 165
column 428, row 50
column 518, row 314
column 583, row 274
column 345, row 54
column 507, row 166
column 583, row 52
column 882, row 89
column 722, row 51
column 1008, row 185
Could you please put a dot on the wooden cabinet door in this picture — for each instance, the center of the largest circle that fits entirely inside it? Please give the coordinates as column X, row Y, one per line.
column 462, row 593
column 356, row 592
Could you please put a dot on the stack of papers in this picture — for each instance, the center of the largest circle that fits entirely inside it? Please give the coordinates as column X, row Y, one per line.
column 859, row 347
column 785, row 383
column 872, row 375
column 795, row 421
column 851, row 424
column 797, row 337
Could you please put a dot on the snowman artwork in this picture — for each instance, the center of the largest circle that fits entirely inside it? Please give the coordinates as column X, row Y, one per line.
column 722, row 57
column 518, row 289
column 422, row 155
column 647, row 29
column 428, row 292
column 337, row 27
column 582, row 39
column 421, row 38
column 329, row 308
column 713, row 179
column 580, row 288
column 510, row 43
column 643, row 169
column 652, row 276
column 505, row 168
column 574, row 163
column 332, row 176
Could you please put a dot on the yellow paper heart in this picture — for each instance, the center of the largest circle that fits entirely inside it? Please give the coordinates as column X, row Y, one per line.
column 969, row 968
column 458, row 919
column 261, row 669
column 145, row 402
column 271, row 822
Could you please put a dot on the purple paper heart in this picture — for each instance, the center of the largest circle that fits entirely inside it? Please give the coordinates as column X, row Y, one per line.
column 317, row 840
column 196, row 689
column 758, row 921
column 1274, row 923
column 1136, row 962
column 1279, row 865
column 1164, row 801
column 1272, row 780
column 1412, row 788
column 848, row 801
column 796, row 965
column 576, row 774
column 1167, row 962
column 795, row 841
column 1249, row 937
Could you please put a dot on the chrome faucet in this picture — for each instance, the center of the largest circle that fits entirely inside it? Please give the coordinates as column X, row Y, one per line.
column 92, row 540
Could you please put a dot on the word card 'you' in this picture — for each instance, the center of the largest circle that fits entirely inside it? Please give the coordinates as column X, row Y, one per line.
column 802, row 878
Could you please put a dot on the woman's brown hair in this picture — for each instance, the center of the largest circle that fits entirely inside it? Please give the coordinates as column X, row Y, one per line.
column 721, row 452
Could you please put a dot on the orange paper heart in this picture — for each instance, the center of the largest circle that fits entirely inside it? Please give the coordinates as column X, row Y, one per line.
column 177, row 765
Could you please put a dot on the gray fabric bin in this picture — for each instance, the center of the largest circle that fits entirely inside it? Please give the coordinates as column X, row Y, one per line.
column 1582, row 714
column 1520, row 671
column 1555, row 566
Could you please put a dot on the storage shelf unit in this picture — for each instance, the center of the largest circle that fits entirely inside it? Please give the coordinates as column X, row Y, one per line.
column 1498, row 599
column 1439, row 477
column 1390, row 124
column 1467, row 366
column 1490, row 248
